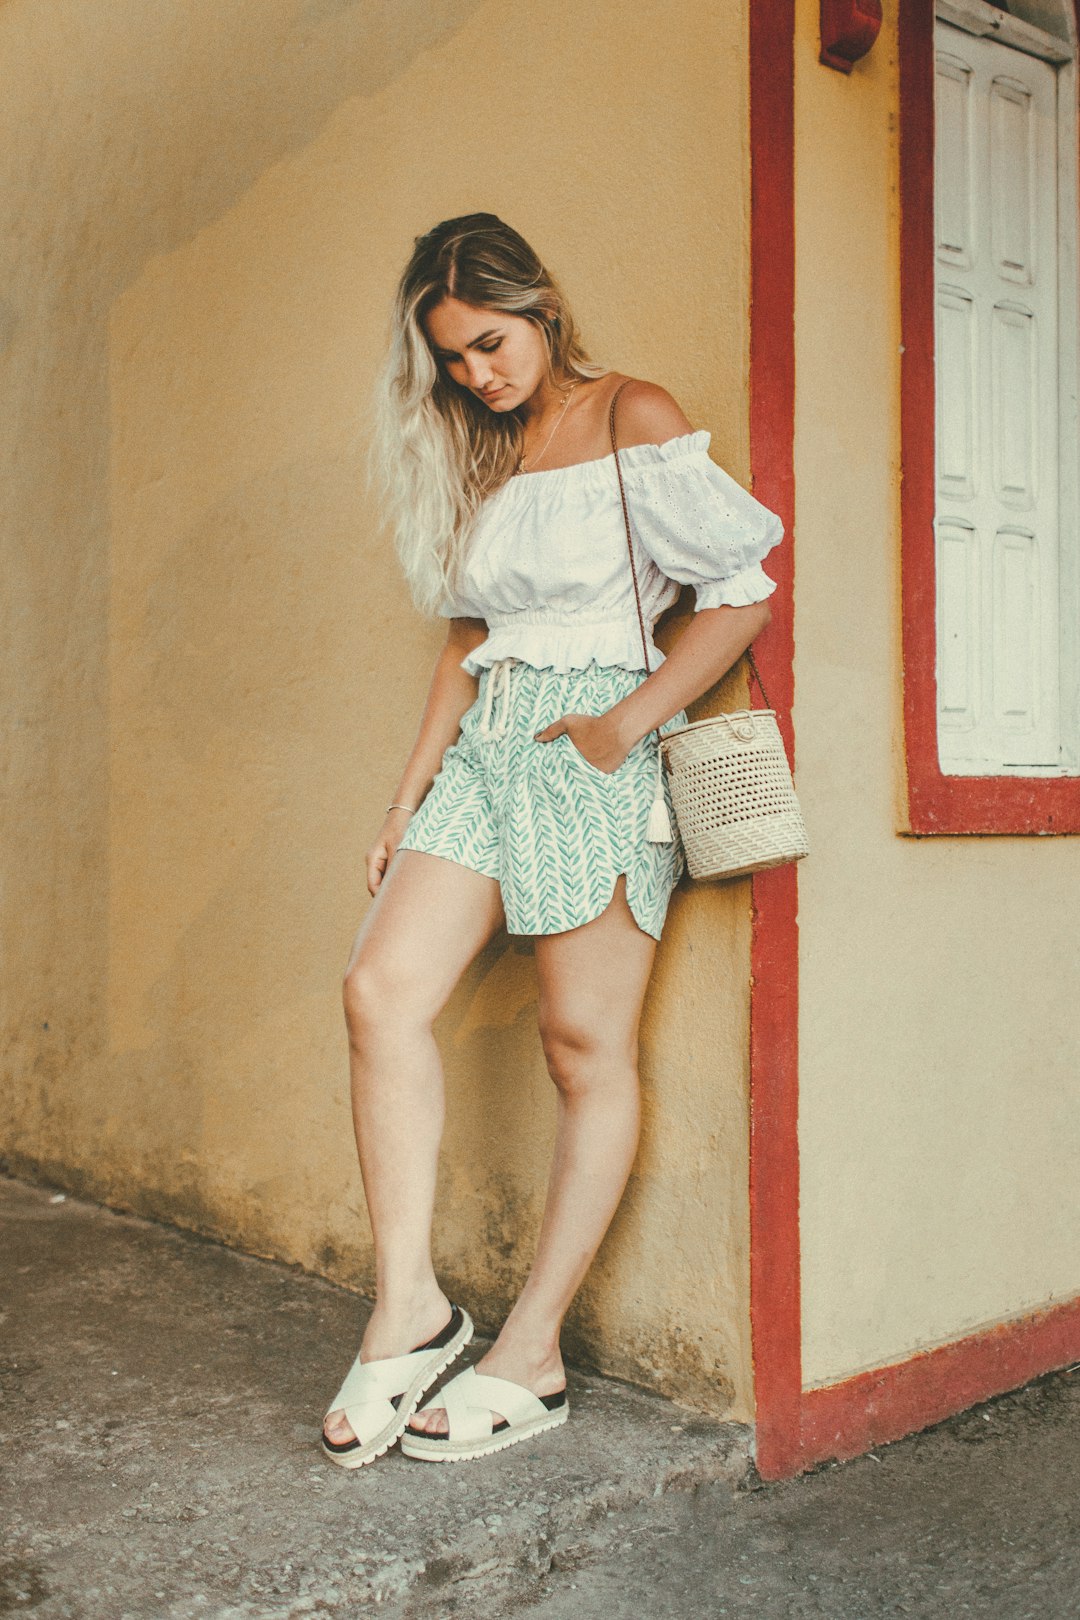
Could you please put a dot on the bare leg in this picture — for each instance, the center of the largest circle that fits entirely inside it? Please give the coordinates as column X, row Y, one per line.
column 592, row 983
column 428, row 920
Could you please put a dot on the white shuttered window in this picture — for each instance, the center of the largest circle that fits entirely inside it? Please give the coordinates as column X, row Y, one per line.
column 1003, row 647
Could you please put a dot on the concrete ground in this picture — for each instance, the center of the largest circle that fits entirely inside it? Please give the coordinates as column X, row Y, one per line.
column 161, row 1401
column 975, row 1519
column 161, row 1404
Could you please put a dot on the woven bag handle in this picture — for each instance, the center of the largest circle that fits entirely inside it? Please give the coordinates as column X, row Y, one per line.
column 633, row 569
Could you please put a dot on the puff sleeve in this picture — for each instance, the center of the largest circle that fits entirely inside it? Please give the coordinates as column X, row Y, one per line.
column 455, row 606
column 700, row 526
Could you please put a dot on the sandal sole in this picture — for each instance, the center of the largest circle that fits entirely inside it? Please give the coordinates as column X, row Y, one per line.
column 382, row 1443
column 413, row 1446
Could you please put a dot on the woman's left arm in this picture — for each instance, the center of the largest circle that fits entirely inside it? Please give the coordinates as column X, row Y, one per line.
column 703, row 654
column 717, row 635
column 708, row 647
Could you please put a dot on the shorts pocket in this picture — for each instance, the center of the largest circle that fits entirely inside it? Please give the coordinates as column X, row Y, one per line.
column 587, row 764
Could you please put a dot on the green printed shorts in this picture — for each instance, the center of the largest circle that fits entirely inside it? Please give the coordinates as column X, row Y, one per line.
column 553, row 829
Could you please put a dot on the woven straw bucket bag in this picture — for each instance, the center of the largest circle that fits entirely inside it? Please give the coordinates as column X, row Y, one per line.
column 731, row 783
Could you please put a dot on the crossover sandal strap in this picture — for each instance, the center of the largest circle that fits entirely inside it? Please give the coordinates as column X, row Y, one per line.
column 472, row 1398
column 366, row 1395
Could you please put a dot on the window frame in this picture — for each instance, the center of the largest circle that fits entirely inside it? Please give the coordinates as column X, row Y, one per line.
column 939, row 802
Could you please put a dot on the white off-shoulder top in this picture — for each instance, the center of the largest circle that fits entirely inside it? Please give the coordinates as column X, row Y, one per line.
column 547, row 567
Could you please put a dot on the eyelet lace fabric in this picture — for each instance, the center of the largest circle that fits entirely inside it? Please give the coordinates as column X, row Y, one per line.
column 547, row 568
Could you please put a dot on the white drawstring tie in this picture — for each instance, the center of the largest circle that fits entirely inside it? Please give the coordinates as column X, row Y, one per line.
column 494, row 724
column 498, row 684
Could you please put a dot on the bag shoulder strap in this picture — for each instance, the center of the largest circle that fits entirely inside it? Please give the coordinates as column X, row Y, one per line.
column 626, row 521
column 630, row 550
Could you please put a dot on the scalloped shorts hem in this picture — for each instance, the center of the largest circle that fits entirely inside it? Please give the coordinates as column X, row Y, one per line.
column 552, row 829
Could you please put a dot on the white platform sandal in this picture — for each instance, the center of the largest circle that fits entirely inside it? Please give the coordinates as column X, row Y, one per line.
column 471, row 1400
column 379, row 1397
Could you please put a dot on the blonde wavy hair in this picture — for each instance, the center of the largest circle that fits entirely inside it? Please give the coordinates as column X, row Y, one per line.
column 438, row 451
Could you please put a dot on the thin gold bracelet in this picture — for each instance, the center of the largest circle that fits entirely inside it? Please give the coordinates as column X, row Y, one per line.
column 407, row 807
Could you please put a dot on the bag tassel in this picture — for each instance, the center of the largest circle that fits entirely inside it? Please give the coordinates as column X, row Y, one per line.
column 659, row 829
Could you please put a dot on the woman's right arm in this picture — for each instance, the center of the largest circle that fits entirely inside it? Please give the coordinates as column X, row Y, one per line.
column 452, row 691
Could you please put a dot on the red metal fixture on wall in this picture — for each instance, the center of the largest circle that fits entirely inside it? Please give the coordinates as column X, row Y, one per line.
column 848, row 29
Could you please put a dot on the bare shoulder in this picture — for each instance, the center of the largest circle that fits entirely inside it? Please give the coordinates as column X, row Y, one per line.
column 648, row 414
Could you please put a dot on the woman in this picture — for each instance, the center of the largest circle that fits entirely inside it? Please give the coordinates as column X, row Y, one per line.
column 528, row 800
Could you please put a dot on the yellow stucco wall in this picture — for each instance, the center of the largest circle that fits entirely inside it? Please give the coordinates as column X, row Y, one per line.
column 940, row 1120
column 216, row 667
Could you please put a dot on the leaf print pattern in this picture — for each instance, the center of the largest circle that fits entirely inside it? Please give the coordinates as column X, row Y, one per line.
column 552, row 828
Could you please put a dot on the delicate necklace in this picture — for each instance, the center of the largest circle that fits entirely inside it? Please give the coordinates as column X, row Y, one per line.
column 521, row 464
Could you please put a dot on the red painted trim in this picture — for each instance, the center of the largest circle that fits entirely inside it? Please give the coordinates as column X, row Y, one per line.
column 938, row 803
column 844, row 1420
column 796, row 1428
column 774, row 961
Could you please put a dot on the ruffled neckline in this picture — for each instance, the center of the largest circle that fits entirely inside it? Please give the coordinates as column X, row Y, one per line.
column 630, row 458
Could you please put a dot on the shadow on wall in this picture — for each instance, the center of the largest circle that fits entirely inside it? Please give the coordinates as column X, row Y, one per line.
column 147, row 123
column 124, row 133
